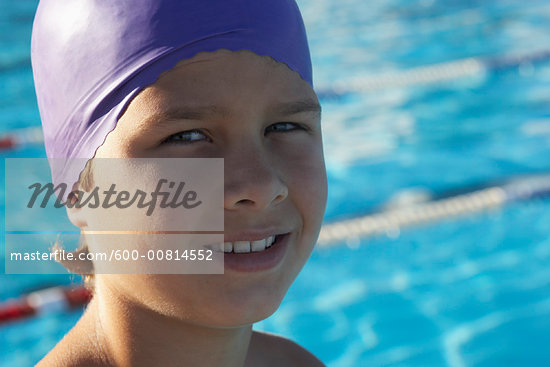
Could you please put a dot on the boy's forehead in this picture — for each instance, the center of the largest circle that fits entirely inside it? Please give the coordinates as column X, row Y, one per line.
column 221, row 59
column 225, row 74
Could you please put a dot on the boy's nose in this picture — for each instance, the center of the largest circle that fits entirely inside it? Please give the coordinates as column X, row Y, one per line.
column 252, row 182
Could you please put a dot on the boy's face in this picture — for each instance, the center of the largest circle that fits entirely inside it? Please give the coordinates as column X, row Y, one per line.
column 274, row 175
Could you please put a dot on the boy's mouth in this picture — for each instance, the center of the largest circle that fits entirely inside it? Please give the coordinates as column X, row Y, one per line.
column 256, row 255
column 240, row 247
column 245, row 247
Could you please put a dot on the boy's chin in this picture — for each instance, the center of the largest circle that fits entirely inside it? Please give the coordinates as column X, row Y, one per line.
column 246, row 315
column 236, row 312
column 208, row 303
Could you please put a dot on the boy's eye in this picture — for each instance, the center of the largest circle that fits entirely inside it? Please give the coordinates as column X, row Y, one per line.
column 283, row 126
column 186, row 137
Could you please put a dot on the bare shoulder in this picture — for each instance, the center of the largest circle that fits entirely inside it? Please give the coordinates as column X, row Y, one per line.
column 269, row 349
column 77, row 348
column 71, row 352
column 63, row 355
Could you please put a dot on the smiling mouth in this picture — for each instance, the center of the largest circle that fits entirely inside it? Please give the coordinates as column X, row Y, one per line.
column 242, row 247
column 245, row 247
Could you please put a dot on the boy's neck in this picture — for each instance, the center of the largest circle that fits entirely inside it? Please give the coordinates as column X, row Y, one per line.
column 130, row 335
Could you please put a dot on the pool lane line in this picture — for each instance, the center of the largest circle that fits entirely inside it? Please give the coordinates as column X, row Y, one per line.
column 390, row 222
column 19, row 138
column 44, row 301
column 435, row 73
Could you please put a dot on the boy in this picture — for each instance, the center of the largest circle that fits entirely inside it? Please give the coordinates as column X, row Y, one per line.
column 181, row 79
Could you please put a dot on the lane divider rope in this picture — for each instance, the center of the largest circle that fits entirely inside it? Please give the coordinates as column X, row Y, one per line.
column 431, row 74
column 21, row 138
column 49, row 300
column 390, row 222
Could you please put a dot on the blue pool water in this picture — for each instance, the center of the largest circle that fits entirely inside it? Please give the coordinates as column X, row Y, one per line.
column 470, row 291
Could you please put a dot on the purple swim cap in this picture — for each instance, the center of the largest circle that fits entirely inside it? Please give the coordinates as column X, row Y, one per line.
column 91, row 57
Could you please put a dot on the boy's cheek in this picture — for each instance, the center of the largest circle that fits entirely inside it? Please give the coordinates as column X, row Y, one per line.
column 310, row 182
column 310, row 195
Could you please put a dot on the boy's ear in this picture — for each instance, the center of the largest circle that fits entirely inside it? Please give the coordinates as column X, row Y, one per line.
column 76, row 215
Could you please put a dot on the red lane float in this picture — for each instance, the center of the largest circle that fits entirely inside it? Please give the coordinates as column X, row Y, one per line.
column 7, row 142
column 56, row 299
column 21, row 137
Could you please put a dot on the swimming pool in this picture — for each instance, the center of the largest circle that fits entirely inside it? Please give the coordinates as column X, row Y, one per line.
column 466, row 291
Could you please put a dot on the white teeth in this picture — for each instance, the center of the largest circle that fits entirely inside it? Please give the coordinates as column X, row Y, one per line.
column 256, row 246
column 241, row 246
column 248, row 246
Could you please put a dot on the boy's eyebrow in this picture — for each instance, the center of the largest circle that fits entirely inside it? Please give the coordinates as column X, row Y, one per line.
column 200, row 112
column 291, row 108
